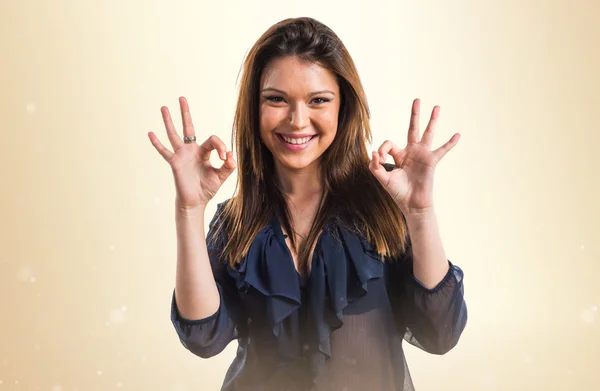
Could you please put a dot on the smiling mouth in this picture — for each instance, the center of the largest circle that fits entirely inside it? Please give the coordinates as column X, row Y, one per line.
column 296, row 141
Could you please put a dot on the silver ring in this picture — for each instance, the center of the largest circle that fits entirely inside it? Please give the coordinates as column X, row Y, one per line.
column 189, row 140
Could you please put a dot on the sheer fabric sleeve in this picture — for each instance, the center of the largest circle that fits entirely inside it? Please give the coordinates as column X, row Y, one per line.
column 431, row 319
column 209, row 336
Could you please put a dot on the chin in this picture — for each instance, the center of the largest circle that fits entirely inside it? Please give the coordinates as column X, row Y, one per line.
column 297, row 163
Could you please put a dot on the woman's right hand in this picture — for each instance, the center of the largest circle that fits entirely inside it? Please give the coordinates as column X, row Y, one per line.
column 196, row 180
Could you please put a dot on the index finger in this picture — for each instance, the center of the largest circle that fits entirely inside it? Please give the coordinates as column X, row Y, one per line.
column 213, row 142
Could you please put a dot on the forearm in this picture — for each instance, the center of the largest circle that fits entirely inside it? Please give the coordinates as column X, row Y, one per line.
column 430, row 264
column 195, row 288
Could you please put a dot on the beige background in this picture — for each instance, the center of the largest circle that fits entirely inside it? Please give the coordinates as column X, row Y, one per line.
column 88, row 239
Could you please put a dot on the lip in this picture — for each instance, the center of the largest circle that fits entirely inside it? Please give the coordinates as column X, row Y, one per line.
column 296, row 135
column 296, row 147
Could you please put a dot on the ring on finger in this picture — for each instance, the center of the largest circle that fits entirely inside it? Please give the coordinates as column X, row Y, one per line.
column 189, row 140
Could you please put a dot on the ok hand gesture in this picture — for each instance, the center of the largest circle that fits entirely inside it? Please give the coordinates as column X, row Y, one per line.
column 196, row 180
column 410, row 183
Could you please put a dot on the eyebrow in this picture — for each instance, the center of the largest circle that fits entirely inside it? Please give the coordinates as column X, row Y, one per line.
column 311, row 94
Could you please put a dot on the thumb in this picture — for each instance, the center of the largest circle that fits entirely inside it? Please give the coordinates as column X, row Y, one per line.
column 229, row 165
column 378, row 170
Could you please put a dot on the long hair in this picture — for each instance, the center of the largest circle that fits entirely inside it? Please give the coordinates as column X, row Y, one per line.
column 351, row 194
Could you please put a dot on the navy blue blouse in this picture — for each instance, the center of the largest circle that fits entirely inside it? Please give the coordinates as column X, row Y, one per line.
column 341, row 329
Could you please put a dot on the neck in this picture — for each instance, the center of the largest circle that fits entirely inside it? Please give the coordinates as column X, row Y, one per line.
column 299, row 184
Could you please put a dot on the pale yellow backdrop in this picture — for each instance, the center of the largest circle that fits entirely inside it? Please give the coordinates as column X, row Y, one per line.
column 87, row 260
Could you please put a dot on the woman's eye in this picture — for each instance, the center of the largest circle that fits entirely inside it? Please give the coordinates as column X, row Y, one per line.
column 321, row 100
column 276, row 99
column 279, row 99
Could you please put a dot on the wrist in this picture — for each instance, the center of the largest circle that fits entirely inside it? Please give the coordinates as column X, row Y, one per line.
column 421, row 221
column 189, row 211
column 419, row 214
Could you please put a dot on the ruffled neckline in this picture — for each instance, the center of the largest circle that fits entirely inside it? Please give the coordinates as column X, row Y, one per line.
column 275, row 226
column 341, row 266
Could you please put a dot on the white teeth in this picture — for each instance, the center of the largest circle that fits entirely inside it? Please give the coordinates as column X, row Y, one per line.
column 297, row 140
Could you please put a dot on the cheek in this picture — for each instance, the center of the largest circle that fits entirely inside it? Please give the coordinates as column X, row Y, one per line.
column 328, row 123
column 269, row 118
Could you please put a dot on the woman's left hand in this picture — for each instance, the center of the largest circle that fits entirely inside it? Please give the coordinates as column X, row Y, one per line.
column 410, row 183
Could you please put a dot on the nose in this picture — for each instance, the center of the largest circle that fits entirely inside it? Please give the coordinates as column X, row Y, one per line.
column 299, row 116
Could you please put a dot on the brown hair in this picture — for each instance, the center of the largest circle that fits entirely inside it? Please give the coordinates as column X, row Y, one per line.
column 351, row 193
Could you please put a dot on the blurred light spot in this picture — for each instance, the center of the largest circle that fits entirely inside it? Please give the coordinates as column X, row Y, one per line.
column 99, row 372
column 57, row 388
column 25, row 274
column 124, row 308
column 528, row 359
column 582, row 247
column 117, row 316
column 30, row 108
column 588, row 315
column 350, row 360
column 569, row 372
column 119, row 385
column 32, row 279
column 111, row 247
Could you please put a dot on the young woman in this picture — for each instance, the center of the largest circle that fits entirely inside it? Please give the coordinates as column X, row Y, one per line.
column 326, row 258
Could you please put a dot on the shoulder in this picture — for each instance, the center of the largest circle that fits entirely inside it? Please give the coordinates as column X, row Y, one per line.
column 216, row 227
column 221, row 210
column 221, row 205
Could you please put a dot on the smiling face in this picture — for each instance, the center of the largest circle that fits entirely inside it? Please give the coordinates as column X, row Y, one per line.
column 299, row 106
